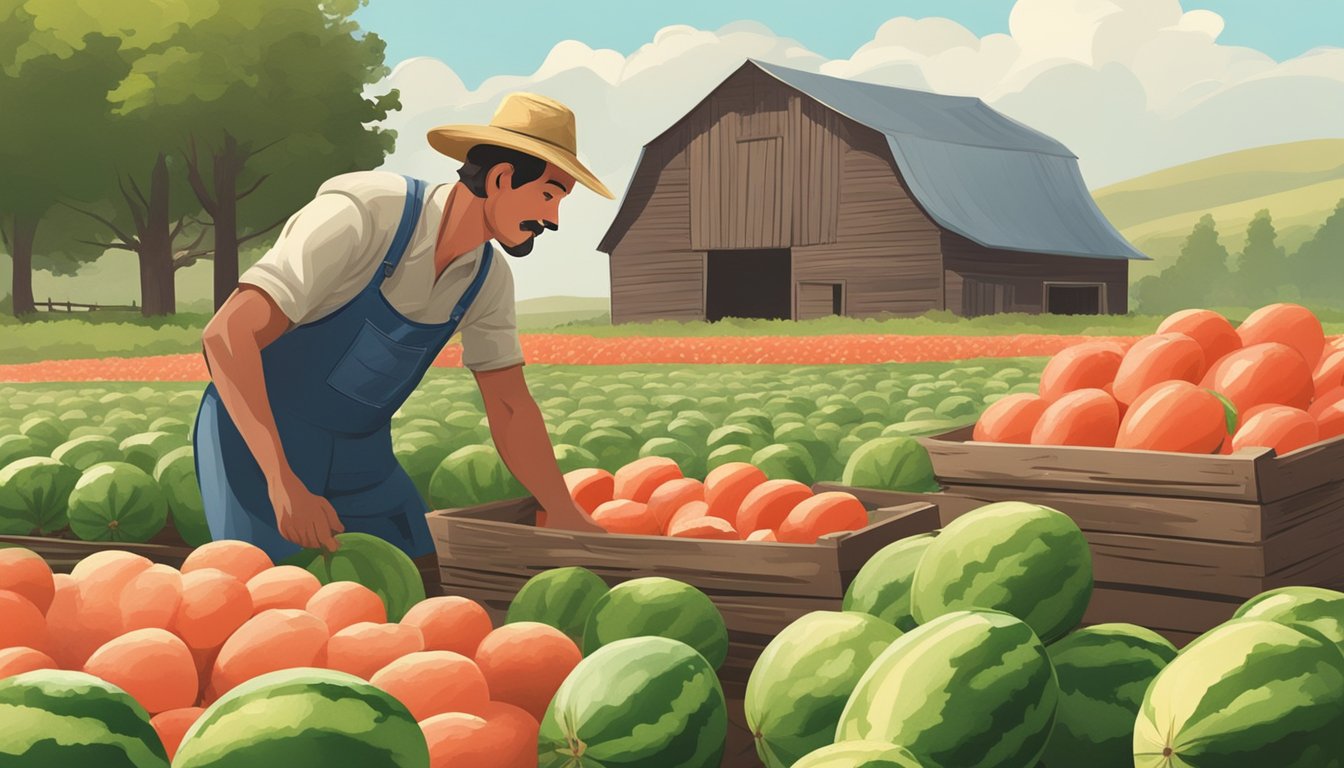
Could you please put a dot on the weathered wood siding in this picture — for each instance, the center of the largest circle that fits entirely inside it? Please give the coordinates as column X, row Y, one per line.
column 885, row 249
column 654, row 271
column 980, row 280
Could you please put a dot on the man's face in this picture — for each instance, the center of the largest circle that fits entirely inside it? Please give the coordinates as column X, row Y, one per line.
column 516, row 217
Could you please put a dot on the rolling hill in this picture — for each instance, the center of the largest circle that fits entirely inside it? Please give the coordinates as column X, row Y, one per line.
column 1299, row 183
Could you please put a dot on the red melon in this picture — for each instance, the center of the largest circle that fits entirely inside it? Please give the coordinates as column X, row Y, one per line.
column 450, row 623
column 1279, row 427
column 153, row 665
column 1214, row 334
column 1175, row 416
column 703, row 527
column 626, row 516
column 1329, row 374
column 672, row 496
column 1086, row 417
column 727, row 485
column 590, row 487
column 23, row 571
column 364, row 648
column 525, row 662
column 1288, row 324
column 1261, row 374
column 431, row 683
column 638, row 480
column 828, row 512
column 1010, row 419
column 1090, row 365
column 173, row 725
column 766, row 505
column 272, row 640
column 1155, row 359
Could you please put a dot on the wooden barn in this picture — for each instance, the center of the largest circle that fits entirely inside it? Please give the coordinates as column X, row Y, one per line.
column 788, row 194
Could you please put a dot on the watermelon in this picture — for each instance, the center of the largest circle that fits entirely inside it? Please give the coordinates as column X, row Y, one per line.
column 371, row 561
column 736, row 434
column 145, row 449
column 1103, row 671
column 420, row 453
column 46, row 431
column 60, row 718
column 789, row 461
column 802, row 680
column 571, row 457
column 1315, row 607
column 687, row 458
column 859, row 754
column 728, row 454
column 304, row 718
column 661, row 607
column 176, row 475
column 890, row 463
column 561, row 598
column 472, row 475
column 115, row 501
column 34, row 493
column 15, row 447
column 636, row 703
column 1028, row 560
column 1247, row 692
column 613, row 448
column 83, row 452
column 968, row 689
column 882, row 586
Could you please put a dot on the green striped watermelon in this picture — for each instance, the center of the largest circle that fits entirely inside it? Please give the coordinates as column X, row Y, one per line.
column 802, row 680
column 1103, row 671
column 1315, row 607
column 176, row 475
column 560, row 597
column 1248, row 692
column 860, row 754
column 34, row 494
column 882, row 586
column 369, row 560
column 83, row 452
column 636, row 703
column 969, row 689
column 659, row 607
column 1024, row 559
column 116, row 501
column 304, row 718
column 58, row 718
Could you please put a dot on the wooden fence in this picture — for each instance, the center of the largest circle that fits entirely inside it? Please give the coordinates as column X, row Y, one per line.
column 74, row 306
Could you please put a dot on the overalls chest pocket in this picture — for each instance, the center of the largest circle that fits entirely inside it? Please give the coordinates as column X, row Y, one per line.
column 375, row 369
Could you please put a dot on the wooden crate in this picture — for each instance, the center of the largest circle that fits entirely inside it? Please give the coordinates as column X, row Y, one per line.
column 1178, row 540
column 488, row 552
column 63, row 553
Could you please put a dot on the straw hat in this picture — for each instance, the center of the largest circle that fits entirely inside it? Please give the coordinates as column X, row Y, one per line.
column 529, row 123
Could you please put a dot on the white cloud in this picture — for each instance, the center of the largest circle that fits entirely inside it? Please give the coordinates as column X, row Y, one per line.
column 1130, row 86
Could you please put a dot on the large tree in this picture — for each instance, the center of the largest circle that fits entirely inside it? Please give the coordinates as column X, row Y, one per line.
column 270, row 103
column 1318, row 263
column 1262, row 267
column 55, row 101
column 1198, row 278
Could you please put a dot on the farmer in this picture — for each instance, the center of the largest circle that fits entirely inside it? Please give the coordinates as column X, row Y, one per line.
column 330, row 332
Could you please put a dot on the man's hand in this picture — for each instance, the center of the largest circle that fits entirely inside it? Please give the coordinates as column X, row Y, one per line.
column 568, row 517
column 302, row 516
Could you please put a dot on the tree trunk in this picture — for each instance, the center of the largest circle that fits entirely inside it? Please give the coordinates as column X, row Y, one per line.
column 21, row 291
column 225, row 218
column 158, row 295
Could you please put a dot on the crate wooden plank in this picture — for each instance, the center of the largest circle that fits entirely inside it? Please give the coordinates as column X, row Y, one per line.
column 1158, row 609
column 820, row 570
column 1108, row 470
column 1316, row 465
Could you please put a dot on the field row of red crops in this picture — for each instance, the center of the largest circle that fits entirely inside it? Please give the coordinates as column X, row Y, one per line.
column 561, row 349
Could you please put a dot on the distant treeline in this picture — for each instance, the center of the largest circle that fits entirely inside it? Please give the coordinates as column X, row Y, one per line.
column 1205, row 274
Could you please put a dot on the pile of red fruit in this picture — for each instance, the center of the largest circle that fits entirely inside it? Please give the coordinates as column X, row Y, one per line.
column 735, row 502
column 1198, row 385
column 177, row 640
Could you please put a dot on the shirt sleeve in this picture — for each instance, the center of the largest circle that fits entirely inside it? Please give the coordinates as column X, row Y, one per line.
column 315, row 253
column 490, row 340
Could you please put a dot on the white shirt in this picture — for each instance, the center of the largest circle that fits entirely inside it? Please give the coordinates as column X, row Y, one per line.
column 329, row 249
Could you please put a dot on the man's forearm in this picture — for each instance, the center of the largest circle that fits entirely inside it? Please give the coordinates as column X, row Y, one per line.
column 524, row 444
column 236, row 369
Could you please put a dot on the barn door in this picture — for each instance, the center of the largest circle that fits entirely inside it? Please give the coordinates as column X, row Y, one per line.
column 758, row 212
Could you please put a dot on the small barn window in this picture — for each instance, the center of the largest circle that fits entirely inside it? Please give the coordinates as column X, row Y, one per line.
column 1075, row 298
column 820, row 299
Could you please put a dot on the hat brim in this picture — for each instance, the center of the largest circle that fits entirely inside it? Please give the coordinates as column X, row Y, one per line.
column 455, row 140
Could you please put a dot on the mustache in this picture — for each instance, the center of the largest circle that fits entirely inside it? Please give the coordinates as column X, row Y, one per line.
column 537, row 227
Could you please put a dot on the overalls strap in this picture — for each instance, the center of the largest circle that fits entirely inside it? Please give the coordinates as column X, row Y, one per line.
column 410, row 214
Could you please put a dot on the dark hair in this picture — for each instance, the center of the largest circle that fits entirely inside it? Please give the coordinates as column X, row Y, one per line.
column 482, row 157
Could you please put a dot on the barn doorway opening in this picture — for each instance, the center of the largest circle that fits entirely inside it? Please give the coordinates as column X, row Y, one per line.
column 1075, row 298
column 751, row 283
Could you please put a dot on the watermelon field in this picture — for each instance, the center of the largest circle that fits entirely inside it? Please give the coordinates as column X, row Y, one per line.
column 962, row 645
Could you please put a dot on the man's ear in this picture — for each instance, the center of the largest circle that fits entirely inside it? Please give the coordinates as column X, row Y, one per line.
column 498, row 177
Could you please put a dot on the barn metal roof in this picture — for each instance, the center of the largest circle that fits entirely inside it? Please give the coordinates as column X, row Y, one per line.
column 975, row 171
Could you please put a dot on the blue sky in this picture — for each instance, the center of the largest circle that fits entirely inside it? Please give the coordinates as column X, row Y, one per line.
column 482, row 38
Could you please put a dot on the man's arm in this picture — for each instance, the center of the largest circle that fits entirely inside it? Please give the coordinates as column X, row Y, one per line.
column 520, row 436
column 232, row 342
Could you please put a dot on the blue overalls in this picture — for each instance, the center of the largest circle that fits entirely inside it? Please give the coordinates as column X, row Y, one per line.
column 333, row 385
